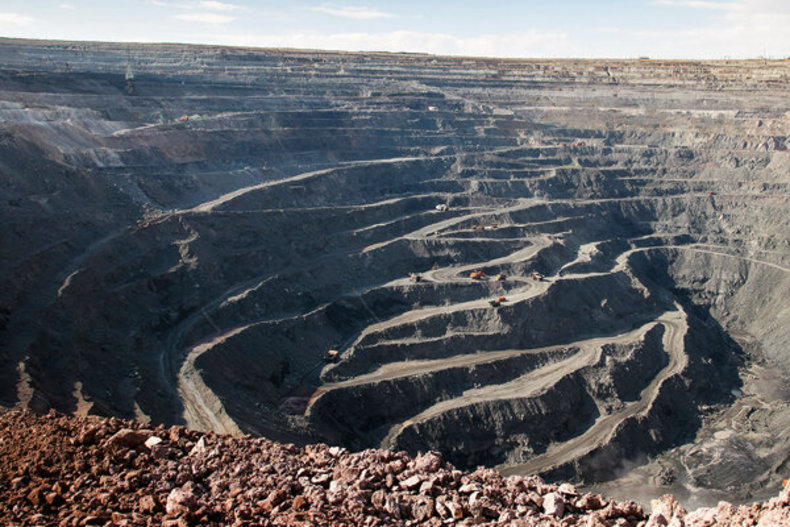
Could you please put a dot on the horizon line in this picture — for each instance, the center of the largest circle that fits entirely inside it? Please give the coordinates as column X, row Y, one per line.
column 389, row 52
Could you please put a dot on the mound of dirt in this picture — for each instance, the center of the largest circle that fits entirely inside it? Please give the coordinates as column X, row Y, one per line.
column 66, row 471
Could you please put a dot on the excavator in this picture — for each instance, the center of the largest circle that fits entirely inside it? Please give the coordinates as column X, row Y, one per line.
column 477, row 275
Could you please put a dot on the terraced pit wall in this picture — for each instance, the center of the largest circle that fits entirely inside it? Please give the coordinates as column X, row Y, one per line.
column 184, row 244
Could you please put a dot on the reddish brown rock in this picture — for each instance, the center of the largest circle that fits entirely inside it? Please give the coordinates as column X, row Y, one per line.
column 396, row 467
column 220, row 480
column 336, row 493
column 153, row 441
column 53, row 499
column 35, row 496
column 392, row 506
column 148, row 504
column 299, row 503
column 455, row 510
column 411, row 483
column 554, row 504
column 666, row 511
column 589, row 502
column 181, row 501
column 427, row 463
column 422, row 508
column 128, row 438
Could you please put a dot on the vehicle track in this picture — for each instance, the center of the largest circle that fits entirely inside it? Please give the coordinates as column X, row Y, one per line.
column 528, row 385
column 605, row 426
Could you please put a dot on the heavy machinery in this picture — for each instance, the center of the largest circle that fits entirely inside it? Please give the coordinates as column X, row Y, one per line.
column 331, row 356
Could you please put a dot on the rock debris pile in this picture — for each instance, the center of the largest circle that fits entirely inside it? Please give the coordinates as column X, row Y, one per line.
column 58, row 470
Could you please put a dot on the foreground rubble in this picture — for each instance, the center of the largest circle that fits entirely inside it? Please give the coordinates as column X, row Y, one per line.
column 58, row 470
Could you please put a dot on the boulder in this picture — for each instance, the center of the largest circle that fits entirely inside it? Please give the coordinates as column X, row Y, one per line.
column 554, row 504
column 128, row 438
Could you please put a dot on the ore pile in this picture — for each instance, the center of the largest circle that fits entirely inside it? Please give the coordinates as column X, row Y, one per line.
column 65, row 471
column 58, row 470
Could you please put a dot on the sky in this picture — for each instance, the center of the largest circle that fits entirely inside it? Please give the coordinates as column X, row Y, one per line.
column 682, row 29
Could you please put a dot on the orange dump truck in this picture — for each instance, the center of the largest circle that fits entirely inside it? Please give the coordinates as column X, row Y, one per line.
column 498, row 301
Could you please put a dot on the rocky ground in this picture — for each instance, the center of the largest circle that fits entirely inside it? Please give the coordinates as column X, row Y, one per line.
column 65, row 471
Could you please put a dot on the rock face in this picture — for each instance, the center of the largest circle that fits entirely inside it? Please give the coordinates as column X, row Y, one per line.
column 187, row 231
column 51, row 473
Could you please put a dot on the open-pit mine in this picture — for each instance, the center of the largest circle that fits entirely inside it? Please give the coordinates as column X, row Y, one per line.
column 578, row 269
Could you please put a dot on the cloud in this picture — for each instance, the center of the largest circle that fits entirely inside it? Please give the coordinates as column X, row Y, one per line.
column 737, row 29
column 66, row 6
column 218, row 6
column 356, row 13
column 607, row 29
column 206, row 5
column 15, row 19
column 206, row 18
column 696, row 4
column 524, row 44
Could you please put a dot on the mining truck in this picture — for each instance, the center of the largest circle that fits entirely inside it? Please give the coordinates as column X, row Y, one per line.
column 331, row 356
